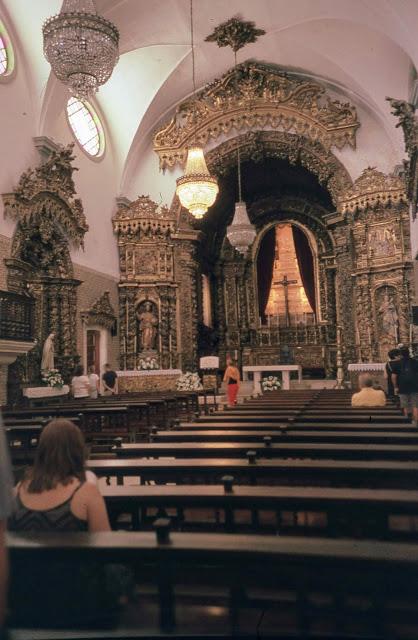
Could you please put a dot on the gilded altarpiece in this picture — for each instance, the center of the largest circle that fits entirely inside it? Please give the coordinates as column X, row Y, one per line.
column 157, row 290
column 374, row 227
column 363, row 268
column 50, row 220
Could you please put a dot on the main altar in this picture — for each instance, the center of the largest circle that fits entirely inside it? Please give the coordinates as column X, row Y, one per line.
column 285, row 370
column 333, row 255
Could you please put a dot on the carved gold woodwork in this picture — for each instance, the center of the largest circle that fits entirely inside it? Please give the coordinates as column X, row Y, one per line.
column 405, row 112
column 101, row 312
column 255, row 96
column 156, row 265
column 48, row 192
column 235, row 33
column 49, row 220
column 372, row 189
column 257, row 146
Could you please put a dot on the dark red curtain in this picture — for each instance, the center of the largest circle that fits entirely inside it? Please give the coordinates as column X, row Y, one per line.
column 265, row 264
column 305, row 263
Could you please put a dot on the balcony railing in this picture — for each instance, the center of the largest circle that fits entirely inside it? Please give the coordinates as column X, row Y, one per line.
column 296, row 335
column 17, row 315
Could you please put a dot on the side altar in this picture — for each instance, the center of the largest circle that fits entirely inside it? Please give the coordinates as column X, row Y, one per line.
column 153, row 380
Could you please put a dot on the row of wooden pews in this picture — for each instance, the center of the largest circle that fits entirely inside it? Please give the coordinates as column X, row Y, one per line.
column 291, row 514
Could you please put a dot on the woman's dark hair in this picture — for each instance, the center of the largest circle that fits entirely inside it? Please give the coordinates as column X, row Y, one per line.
column 404, row 353
column 79, row 370
column 60, row 456
column 393, row 353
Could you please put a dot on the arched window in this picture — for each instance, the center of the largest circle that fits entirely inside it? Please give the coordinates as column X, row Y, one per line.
column 6, row 52
column 86, row 126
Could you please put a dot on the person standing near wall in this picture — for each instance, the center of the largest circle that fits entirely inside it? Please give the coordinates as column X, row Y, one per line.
column 405, row 382
column 232, row 379
column 5, row 508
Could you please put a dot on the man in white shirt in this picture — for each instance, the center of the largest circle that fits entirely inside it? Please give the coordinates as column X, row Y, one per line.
column 368, row 397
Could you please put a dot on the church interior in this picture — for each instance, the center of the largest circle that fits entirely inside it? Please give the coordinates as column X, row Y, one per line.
column 209, row 319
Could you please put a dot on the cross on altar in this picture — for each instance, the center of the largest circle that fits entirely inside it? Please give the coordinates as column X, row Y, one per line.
column 285, row 283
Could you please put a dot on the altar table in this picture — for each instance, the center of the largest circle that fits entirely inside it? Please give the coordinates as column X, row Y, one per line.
column 34, row 393
column 375, row 369
column 149, row 380
column 285, row 370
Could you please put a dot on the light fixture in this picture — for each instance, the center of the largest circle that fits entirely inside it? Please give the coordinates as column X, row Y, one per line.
column 236, row 33
column 196, row 189
column 81, row 46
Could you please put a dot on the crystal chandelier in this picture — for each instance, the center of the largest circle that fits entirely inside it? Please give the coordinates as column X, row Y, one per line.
column 81, row 47
column 236, row 33
column 197, row 189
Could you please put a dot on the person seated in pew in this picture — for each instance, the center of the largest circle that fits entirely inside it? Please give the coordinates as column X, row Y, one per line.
column 232, row 378
column 94, row 381
column 367, row 396
column 57, row 494
column 110, row 381
column 80, row 384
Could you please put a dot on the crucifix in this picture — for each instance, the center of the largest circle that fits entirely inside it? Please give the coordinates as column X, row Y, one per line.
column 285, row 283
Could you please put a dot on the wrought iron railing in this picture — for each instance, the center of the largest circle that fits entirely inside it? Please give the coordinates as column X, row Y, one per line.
column 302, row 334
column 17, row 313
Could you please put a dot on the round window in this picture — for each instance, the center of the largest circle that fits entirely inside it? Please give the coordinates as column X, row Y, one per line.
column 86, row 126
column 6, row 52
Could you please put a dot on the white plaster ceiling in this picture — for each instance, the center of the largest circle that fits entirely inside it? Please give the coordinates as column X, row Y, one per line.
column 364, row 49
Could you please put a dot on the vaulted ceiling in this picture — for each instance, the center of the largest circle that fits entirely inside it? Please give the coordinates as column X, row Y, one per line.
column 365, row 48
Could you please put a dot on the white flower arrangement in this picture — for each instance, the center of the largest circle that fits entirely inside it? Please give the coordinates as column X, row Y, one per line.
column 148, row 364
column 271, row 383
column 53, row 378
column 189, row 382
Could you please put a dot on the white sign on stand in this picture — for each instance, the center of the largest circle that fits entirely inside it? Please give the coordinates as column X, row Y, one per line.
column 209, row 362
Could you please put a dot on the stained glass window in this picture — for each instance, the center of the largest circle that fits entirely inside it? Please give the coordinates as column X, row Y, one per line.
column 3, row 56
column 7, row 59
column 86, row 126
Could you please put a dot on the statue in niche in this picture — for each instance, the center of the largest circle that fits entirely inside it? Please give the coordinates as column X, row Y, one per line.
column 389, row 317
column 147, row 325
column 48, row 353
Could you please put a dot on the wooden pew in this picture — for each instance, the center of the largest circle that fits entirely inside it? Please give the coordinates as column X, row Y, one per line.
column 368, row 589
column 237, row 435
column 276, row 450
column 344, row 417
column 22, row 441
column 202, row 425
column 336, row 473
column 363, row 513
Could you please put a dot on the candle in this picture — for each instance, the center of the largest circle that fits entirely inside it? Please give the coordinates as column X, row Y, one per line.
column 236, row 355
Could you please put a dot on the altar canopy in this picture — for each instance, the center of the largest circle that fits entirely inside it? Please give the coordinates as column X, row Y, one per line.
column 291, row 297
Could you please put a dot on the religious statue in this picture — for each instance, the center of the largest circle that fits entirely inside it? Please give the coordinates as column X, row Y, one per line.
column 48, row 353
column 148, row 323
column 389, row 316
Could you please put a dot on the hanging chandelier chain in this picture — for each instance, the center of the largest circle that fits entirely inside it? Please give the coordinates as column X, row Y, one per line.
column 238, row 147
column 193, row 74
